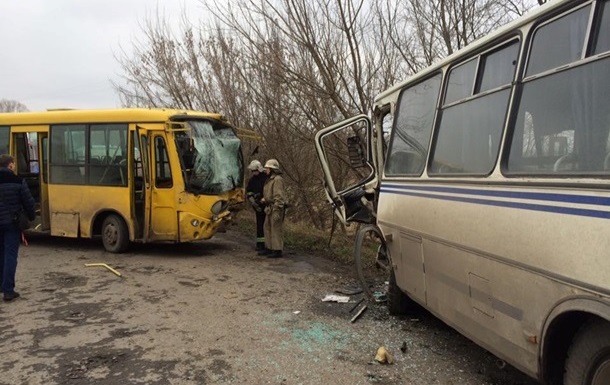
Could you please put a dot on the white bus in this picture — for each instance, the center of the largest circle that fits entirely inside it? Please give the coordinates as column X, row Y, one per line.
column 491, row 190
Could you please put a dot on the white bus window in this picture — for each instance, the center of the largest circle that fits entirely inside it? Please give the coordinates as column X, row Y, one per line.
column 559, row 42
column 468, row 138
column 461, row 81
column 563, row 116
column 498, row 68
column 602, row 39
column 412, row 128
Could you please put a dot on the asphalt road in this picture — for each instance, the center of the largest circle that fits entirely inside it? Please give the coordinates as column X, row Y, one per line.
column 215, row 313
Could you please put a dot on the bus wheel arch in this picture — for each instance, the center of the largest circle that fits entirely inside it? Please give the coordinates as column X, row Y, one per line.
column 114, row 231
column 560, row 331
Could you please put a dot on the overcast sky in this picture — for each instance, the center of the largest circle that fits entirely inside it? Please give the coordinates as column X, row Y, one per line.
column 61, row 53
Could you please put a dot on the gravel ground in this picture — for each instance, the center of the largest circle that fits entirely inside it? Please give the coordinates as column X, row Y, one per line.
column 215, row 313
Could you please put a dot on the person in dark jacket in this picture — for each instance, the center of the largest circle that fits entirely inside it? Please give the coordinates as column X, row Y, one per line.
column 254, row 193
column 14, row 198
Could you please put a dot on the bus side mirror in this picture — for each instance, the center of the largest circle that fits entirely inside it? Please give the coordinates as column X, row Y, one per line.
column 357, row 155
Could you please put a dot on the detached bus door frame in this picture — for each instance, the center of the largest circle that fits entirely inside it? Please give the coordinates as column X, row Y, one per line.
column 341, row 201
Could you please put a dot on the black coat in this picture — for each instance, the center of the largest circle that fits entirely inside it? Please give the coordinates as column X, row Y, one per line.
column 14, row 197
column 255, row 186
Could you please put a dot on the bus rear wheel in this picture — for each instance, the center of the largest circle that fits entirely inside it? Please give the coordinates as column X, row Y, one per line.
column 588, row 361
column 115, row 235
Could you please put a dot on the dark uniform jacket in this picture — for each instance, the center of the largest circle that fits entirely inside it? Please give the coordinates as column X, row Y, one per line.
column 14, row 197
column 255, row 186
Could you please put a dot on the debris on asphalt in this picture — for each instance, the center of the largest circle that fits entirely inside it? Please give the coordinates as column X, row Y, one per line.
column 355, row 317
column 103, row 265
column 336, row 298
column 379, row 296
column 383, row 356
column 403, row 348
column 349, row 290
column 356, row 305
column 296, row 312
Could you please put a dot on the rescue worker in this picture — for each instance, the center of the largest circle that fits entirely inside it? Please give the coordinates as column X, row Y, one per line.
column 14, row 198
column 254, row 193
column 274, row 200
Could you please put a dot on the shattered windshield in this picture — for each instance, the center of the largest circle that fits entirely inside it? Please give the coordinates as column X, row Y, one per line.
column 211, row 157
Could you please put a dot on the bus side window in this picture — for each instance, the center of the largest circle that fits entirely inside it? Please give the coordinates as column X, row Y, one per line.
column 468, row 137
column 562, row 126
column 163, row 173
column 4, row 139
column 410, row 138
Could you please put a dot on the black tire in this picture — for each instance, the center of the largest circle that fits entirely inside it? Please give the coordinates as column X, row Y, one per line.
column 115, row 235
column 359, row 269
column 398, row 302
column 588, row 361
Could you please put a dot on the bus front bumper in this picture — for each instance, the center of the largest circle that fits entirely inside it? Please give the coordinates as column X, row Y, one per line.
column 193, row 227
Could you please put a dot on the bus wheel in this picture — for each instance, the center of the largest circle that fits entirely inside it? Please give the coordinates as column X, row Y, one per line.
column 588, row 361
column 398, row 302
column 115, row 236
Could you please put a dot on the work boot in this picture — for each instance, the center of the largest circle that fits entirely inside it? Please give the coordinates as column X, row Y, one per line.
column 10, row 297
column 265, row 252
column 275, row 254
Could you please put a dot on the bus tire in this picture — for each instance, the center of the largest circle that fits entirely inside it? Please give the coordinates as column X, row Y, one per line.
column 588, row 360
column 398, row 302
column 115, row 235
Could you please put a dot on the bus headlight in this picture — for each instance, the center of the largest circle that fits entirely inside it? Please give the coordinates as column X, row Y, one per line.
column 195, row 223
column 219, row 206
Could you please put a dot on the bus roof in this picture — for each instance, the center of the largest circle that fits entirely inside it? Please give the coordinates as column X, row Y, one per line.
column 534, row 14
column 102, row 116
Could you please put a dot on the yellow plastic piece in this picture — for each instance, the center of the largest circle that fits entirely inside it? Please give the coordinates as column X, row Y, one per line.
column 103, row 265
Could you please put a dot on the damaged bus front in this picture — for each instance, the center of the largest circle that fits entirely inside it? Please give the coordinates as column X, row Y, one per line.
column 211, row 166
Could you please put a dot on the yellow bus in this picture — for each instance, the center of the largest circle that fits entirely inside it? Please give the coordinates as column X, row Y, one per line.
column 488, row 175
column 127, row 175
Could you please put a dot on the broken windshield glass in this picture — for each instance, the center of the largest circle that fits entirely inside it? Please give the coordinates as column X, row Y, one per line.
column 211, row 157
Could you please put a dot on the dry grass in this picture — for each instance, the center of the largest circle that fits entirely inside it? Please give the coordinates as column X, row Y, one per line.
column 306, row 238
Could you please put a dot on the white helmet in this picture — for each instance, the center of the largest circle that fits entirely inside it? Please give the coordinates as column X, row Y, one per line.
column 273, row 164
column 255, row 165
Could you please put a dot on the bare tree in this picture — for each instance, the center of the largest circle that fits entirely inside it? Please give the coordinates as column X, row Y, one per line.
column 7, row 105
column 287, row 68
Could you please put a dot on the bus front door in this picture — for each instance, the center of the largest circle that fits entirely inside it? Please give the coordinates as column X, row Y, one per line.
column 163, row 214
column 43, row 156
column 30, row 149
column 141, row 191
